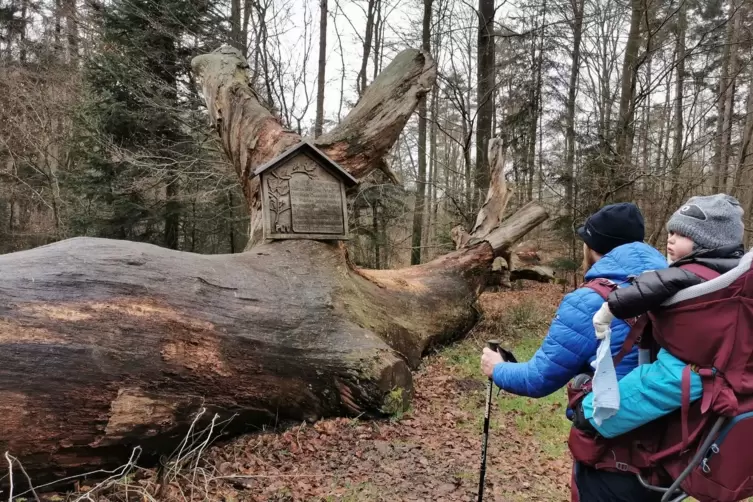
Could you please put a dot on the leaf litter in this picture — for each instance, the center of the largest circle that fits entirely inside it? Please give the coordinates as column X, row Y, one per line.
column 432, row 453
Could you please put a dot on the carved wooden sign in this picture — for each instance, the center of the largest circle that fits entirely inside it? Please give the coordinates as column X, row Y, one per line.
column 303, row 195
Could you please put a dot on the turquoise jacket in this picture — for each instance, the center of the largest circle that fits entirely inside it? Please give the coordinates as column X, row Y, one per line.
column 648, row 392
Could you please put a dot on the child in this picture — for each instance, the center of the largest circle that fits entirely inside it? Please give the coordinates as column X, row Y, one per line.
column 707, row 231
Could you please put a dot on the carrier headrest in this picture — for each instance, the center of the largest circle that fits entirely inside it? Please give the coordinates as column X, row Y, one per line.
column 713, row 285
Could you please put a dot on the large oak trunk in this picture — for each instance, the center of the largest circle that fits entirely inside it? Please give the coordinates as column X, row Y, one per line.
column 106, row 345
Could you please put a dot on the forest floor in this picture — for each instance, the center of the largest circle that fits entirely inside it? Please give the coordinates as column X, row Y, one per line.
column 430, row 453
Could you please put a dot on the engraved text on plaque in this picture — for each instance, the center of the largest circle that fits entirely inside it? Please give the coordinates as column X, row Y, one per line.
column 317, row 206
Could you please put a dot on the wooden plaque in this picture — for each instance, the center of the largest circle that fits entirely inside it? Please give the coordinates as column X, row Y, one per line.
column 303, row 197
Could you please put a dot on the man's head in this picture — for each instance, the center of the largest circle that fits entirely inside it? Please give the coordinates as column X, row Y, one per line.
column 610, row 227
column 705, row 222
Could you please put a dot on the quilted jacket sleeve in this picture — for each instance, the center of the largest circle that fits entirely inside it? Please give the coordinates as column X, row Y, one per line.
column 566, row 350
column 649, row 290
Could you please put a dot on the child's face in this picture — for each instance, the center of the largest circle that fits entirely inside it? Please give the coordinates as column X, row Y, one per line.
column 678, row 246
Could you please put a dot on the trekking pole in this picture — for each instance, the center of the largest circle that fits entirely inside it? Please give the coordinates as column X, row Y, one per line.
column 493, row 345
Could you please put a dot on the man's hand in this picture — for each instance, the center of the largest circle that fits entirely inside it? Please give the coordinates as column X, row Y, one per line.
column 489, row 359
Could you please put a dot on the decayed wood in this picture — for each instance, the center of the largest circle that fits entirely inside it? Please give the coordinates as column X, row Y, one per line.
column 489, row 217
column 251, row 135
column 109, row 344
column 106, row 345
column 493, row 209
column 533, row 273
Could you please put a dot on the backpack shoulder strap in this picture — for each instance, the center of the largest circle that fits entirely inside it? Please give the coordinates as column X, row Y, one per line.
column 701, row 271
column 602, row 286
column 637, row 327
column 637, row 324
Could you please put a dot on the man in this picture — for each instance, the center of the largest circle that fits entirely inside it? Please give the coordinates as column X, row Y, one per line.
column 613, row 249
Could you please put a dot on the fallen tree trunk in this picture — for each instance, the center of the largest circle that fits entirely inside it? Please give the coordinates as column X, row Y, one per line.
column 107, row 345
column 111, row 344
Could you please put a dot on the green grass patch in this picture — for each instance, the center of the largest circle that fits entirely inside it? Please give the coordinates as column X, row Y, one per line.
column 544, row 417
column 522, row 327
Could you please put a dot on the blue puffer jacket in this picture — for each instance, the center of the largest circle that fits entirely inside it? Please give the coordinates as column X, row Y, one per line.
column 571, row 344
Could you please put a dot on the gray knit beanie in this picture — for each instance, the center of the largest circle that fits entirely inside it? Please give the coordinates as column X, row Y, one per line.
column 711, row 221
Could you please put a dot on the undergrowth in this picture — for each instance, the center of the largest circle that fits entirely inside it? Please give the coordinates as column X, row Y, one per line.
column 521, row 327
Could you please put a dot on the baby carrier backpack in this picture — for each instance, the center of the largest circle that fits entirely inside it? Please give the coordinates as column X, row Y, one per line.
column 705, row 449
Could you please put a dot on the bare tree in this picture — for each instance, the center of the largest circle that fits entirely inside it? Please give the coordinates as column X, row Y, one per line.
column 320, row 77
column 418, row 212
column 484, row 93
column 625, row 126
column 576, row 25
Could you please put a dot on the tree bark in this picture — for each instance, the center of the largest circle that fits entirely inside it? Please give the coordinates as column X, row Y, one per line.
column 247, row 8
column 729, row 97
column 251, row 135
column 725, row 89
column 235, row 25
column 71, row 29
column 172, row 214
column 485, row 88
column 418, row 208
column 361, row 82
column 319, row 123
column 127, row 341
column 569, row 177
column 743, row 181
column 678, row 148
column 626, row 128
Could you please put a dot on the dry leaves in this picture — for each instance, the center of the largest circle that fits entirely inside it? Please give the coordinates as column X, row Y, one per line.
column 431, row 454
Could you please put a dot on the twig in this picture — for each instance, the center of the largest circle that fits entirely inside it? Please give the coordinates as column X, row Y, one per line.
column 20, row 466
column 10, row 476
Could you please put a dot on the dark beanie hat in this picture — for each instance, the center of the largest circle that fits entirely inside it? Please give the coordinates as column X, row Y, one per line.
column 612, row 226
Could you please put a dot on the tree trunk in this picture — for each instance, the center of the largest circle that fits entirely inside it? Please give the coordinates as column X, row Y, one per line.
column 534, row 110
column 71, row 29
column 361, row 82
column 378, row 43
column 729, row 96
column 742, row 186
column 319, row 123
column 485, row 88
column 235, row 25
column 725, row 89
column 744, row 156
column 251, row 135
column 569, row 178
column 431, row 219
column 127, row 341
column 172, row 214
column 678, row 150
column 625, row 127
column 247, row 6
column 418, row 208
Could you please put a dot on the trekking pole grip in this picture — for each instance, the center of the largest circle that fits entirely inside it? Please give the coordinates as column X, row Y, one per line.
column 493, row 345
